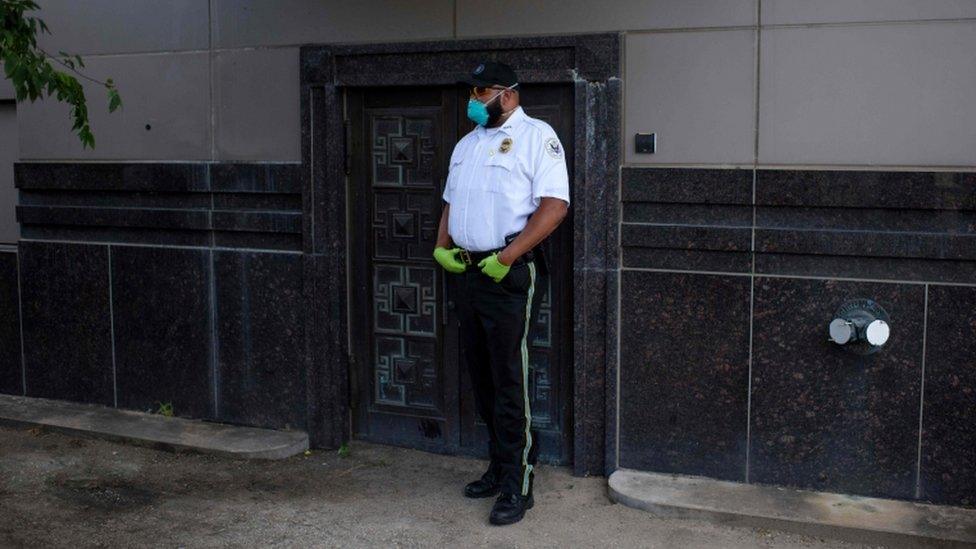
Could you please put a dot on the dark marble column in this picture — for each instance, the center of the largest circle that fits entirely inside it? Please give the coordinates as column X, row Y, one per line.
column 11, row 368
column 324, row 310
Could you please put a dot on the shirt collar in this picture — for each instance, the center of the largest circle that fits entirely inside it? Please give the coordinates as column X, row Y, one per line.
column 514, row 119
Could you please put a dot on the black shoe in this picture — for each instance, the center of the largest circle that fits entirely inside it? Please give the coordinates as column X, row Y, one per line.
column 510, row 508
column 484, row 487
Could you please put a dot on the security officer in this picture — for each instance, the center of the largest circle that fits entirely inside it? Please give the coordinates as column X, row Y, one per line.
column 507, row 190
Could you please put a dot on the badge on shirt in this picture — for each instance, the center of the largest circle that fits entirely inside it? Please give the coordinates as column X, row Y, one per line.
column 553, row 148
column 506, row 145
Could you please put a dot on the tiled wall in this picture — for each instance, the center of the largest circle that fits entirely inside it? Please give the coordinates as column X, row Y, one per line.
column 729, row 280
column 193, row 299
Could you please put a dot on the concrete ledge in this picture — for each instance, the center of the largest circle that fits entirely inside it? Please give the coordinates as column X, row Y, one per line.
column 155, row 431
column 852, row 518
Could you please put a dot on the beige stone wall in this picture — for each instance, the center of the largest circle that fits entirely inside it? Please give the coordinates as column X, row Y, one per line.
column 9, row 231
column 722, row 82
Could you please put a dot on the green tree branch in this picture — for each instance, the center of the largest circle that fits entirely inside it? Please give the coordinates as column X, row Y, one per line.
column 29, row 69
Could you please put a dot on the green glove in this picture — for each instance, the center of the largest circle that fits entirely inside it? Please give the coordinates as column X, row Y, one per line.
column 449, row 260
column 493, row 268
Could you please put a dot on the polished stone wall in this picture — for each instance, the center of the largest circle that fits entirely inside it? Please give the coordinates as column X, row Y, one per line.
column 139, row 284
column 197, row 204
column 11, row 373
column 729, row 280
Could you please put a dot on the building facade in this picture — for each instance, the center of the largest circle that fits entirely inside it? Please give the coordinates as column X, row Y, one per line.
column 250, row 239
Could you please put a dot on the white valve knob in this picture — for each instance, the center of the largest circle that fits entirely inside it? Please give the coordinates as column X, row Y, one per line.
column 877, row 332
column 841, row 331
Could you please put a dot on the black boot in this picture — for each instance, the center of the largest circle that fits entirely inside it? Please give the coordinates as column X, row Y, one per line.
column 510, row 508
column 485, row 487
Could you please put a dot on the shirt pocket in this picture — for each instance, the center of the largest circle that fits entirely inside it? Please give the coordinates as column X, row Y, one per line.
column 500, row 174
column 453, row 173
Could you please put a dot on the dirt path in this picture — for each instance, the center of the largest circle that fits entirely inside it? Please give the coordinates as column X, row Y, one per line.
column 61, row 491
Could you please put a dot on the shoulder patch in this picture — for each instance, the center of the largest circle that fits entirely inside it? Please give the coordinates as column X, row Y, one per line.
column 553, row 148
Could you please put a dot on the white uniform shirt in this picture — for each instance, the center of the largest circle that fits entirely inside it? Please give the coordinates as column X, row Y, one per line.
column 498, row 177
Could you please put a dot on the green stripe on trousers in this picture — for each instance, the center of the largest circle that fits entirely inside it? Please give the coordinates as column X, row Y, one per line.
column 526, row 468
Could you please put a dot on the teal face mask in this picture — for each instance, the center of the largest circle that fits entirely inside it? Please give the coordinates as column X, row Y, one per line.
column 478, row 111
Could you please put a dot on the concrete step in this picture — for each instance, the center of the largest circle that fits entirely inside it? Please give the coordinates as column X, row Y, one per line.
column 852, row 518
column 153, row 430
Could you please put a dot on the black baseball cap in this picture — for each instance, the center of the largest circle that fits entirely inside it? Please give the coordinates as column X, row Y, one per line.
column 490, row 73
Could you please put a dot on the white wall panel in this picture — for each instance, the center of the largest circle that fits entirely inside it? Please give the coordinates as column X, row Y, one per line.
column 165, row 113
column 696, row 90
column 893, row 95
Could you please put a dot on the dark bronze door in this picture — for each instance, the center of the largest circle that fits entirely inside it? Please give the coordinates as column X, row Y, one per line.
column 409, row 386
column 404, row 373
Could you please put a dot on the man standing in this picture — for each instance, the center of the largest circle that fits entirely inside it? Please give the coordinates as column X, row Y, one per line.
column 507, row 190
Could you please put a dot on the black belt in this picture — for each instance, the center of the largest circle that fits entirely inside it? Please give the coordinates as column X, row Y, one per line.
column 473, row 258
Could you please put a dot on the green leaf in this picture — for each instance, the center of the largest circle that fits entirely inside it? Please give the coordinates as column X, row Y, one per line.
column 87, row 138
column 32, row 71
column 114, row 101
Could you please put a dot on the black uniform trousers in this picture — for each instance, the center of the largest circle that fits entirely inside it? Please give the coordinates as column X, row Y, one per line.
column 495, row 319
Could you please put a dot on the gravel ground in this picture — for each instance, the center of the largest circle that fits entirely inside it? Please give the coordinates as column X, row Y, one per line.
column 62, row 491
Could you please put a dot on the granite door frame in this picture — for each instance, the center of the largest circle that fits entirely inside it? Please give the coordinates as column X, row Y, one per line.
column 591, row 64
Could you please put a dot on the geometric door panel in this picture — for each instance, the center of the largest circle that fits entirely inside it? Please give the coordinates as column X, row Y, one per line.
column 405, row 285
column 406, row 370
column 404, row 300
column 404, row 226
column 403, row 156
column 403, row 150
column 405, row 373
column 404, row 389
column 403, row 187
